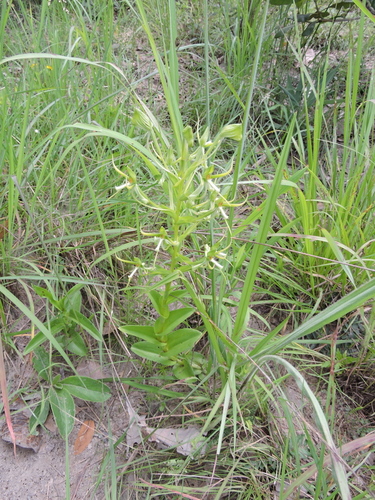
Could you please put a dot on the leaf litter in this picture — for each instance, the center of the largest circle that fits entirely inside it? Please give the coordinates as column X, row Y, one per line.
column 187, row 441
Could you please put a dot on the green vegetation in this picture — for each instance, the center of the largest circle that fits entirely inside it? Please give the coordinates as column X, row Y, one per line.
column 194, row 183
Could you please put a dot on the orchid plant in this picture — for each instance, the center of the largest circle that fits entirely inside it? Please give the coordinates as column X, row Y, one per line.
column 189, row 183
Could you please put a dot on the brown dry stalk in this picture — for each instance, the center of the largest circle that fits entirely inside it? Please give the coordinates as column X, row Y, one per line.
column 4, row 393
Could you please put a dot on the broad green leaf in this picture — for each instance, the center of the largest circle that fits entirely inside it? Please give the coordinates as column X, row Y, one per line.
column 232, row 131
column 54, row 327
column 43, row 292
column 85, row 323
column 176, row 295
column 86, row 388
column 158, row 302
column 63, row 410
column 39, row 415
column 56, row 381
column 184, row 371
column 182, row 340
column 174, row 319
column 309, row 29
column 151, row 352
column 76, row 344
column 73, row 299
column 141, row 332
column 41, row 361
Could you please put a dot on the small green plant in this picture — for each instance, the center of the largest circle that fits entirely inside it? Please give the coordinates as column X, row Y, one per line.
column 67, row 325
column 58, row 396
column 65, row 328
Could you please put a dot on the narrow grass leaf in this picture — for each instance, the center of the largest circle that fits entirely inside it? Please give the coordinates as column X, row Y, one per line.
column 339, row 255
column 262, row 236
column 353, row 300
column 339, row 470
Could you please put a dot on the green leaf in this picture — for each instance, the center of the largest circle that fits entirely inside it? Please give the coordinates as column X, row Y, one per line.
column 76, row 344
column 184, row 371
column 29, row 314
column 309, row 30
column 176, row 295
column 43, row 292
column 55, row 326
column 182, row 340
column 141, row 332
column 85, row 323
column 39, row 415
column 343, row 306
column 232, row 131
column 159, row 304
column 261, row 238
column 86, row 388
column 168, row 278
column 63, row 410
column 41, row 362
column 174, row 319
column 151, row 352
column 339, row 255
column 73, row 299
column 56, row 381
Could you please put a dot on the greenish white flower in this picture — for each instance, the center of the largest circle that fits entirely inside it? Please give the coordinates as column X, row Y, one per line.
column 233, row 131
column 141, row 119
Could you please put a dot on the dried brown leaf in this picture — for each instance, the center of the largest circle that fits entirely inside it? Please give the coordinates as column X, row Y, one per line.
column 84, row 437
column 90, row 368
column 50, row 424
column 21, row 436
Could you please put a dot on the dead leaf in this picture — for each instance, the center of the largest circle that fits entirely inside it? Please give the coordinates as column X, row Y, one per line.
column 50, row 424
column 21, row 436
column 3, row 228
column 133, row 434
column 186, row 441
column 84, row 437
column 90, row 368
column 309, row 56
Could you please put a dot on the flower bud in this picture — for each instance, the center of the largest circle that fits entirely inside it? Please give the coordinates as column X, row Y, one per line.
column 141, row 119
column 188, row 135
column 203, row 140
column 233, row 131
